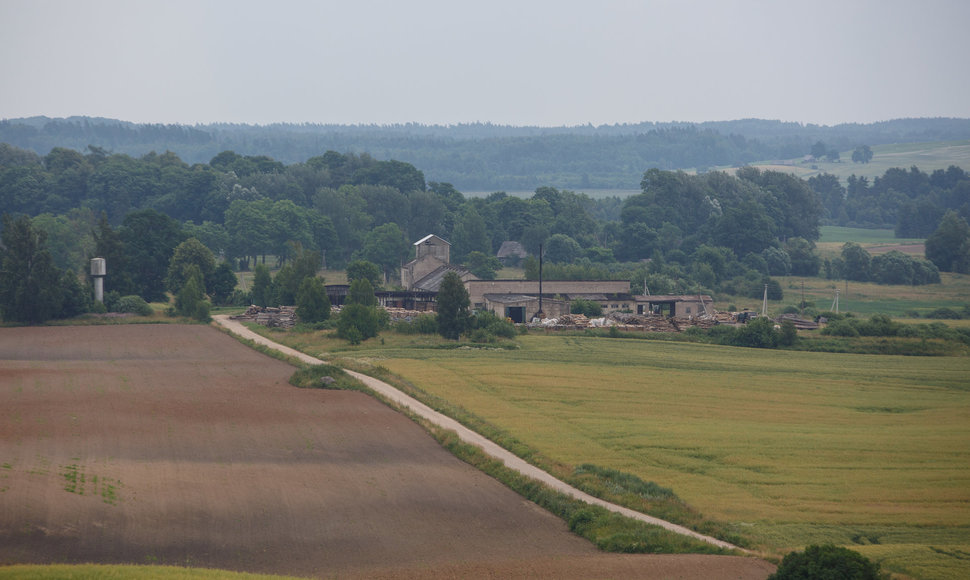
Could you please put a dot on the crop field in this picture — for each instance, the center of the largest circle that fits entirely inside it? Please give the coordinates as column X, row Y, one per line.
column 790, row 448
column 177, row 446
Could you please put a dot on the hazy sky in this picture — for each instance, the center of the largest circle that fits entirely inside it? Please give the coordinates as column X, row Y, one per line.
column 519, row 62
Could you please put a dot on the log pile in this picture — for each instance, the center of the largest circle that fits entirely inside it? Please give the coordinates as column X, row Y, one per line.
column 397, row 314
column 629, row 322
column 800, row 323
column 282, row 317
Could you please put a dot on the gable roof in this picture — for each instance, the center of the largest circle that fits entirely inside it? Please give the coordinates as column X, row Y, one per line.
column 432, row 282
column 428, row 237
column 510, row 248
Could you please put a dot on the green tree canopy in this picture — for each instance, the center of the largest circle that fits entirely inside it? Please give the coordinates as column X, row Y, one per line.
column 30, row 285
column 190, row 252
column 945, row 245
column 312, row 302
column 826, row 563
column 262, row 293
column 453, row 307
column 358, row 319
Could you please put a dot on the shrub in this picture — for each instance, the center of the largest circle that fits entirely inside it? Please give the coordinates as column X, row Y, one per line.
column 423, row 324
column 357, row 323
column 314, row 377
column 944, row 313
column 493, row 324
column 588, row 308
column 788, row 333
column 758, row 333
column 840, row 328
column 133, row 304
column 826, row 562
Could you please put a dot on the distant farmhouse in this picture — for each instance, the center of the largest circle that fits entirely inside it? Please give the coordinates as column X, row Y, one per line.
column 520, row 300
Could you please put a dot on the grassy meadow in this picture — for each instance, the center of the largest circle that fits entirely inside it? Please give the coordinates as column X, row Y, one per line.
column 927, row 156
column 789, row 448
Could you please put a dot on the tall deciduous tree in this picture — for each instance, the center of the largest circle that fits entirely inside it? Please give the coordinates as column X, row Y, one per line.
column 945, row 246
column 150, row 239
column 190, row 252
column 453, row 304
column 386, row 246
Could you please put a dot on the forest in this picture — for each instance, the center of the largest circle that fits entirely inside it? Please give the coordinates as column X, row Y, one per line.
column 683, row 233
column 482, row 157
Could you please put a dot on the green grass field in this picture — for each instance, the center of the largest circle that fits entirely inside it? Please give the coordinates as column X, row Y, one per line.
column 789, row 448
column 927, row 156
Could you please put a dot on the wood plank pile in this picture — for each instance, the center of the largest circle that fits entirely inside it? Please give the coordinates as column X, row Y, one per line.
column 397, row 314
column 800, row 323
column 282, row 317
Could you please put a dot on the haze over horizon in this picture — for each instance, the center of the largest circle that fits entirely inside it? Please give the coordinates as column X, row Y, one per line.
column 433, row 62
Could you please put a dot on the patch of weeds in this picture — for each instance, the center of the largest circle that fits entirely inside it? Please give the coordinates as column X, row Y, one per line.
column 325, row 376
column 76, row 480
column 609, row 531
column 647, row 497
column 70, row 474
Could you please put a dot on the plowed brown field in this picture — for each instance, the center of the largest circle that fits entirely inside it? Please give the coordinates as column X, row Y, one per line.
column 177, row 445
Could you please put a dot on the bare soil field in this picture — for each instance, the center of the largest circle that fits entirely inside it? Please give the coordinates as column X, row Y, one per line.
column 165, row 444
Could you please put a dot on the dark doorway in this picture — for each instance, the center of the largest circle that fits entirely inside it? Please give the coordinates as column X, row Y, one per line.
column 515, row 313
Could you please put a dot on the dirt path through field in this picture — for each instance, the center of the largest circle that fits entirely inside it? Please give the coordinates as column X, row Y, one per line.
column 168, row 444
column 468, row 436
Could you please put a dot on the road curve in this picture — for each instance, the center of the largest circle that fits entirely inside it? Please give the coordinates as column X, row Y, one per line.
column 468, row 436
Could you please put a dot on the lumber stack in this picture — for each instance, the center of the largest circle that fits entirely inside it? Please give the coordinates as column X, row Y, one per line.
column 281, row 317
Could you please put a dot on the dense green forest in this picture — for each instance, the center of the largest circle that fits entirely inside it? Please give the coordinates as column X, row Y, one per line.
column 481, row 157
column 683, row 233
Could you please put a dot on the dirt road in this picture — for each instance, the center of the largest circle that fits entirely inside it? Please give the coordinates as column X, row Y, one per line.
column 468, row 436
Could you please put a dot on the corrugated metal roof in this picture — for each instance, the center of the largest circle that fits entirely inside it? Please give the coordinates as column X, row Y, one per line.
column 432, row 282
column 509, row 298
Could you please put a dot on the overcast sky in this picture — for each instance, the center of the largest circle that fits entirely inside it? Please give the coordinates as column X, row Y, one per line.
column 518, row 62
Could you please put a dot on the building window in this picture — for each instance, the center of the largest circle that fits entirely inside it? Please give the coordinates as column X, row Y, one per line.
column 688, row 310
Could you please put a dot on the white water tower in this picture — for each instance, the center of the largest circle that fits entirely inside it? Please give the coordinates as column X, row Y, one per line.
column 98, row 273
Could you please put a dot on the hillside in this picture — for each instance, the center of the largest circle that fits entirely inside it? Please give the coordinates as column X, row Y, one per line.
column 486, row 157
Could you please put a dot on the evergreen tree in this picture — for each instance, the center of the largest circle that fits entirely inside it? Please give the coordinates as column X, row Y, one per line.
column 453, row 304
column 262, row 286
column 358, row 318
column 312, row 302
column 190, row 300
column 30, row 285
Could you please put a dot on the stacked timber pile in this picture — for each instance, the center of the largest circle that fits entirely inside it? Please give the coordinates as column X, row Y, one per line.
column 800, row 323
column 397, row 314
column 282, row 317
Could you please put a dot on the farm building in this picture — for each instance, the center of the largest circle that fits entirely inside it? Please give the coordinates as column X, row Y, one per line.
column 511, row 253
column 557, row 295
column 675, row 306
column 520, row 300
column 430, row 264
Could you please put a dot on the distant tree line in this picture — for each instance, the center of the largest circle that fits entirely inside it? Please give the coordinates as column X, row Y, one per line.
column 910, row 201
column 486, row 157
